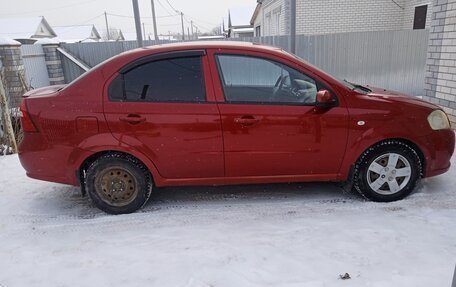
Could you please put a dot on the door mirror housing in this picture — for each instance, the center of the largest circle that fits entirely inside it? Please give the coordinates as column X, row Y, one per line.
column 325, row 100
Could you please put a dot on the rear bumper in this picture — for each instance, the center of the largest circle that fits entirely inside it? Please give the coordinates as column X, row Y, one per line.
column 438, row 148
column 47, row 162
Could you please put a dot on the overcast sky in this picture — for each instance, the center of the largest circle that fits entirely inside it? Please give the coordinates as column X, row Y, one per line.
column 206, row 14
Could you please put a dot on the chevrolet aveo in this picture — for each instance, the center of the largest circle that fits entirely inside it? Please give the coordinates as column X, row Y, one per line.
column 216, row 113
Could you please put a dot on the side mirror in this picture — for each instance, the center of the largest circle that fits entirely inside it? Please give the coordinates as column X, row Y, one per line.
column 324, row 100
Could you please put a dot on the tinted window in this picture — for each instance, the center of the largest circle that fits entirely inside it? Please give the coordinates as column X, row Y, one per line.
column 115, row 90
column 251, row 79
column 169, row 80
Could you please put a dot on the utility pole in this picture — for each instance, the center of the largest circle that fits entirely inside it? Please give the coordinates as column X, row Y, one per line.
column 154, row 20
column 191, row 24
column 137, row 23
column 107, row 26
column 182, row 23
column 188, row 33
column 292, row 27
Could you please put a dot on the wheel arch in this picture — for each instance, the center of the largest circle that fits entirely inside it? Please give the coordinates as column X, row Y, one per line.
column 407, row 142
column 88, row 160
column 349, row 170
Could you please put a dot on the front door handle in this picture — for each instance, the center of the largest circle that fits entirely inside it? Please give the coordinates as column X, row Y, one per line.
column 133, row 119
column 246, row 120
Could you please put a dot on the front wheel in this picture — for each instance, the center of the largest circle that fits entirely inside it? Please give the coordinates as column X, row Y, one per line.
column 118, row 183
column 387, row 171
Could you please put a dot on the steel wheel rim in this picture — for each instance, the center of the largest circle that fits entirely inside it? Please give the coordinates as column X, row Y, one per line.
column 116, row 186
column 389, row 173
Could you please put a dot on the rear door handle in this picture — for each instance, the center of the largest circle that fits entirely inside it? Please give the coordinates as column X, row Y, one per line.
column 247, row 120
column 133, row 119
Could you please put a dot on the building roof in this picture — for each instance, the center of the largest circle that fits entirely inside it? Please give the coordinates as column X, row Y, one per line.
column 243, row 30
column 256, row 12
column 25, row 28
column 78, row 33
column 120, row 36
column 240, row 16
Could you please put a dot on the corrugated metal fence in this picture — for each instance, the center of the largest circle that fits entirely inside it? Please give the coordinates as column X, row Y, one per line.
column 36, row 73
column 391, row 59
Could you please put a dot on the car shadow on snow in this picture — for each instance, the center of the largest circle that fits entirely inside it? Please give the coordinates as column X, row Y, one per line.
column 321, row 192
column 67, row 201
column 59, row 201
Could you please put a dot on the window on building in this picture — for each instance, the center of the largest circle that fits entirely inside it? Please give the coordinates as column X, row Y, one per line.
column 168, row 80
column 267, row 25
column 419, row 21
column 276, row 21
column 258, row 31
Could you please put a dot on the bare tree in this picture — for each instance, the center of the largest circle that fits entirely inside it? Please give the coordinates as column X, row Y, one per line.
column 114, row 34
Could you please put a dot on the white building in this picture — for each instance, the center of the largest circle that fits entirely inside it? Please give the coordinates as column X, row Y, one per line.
column 26, row 30
column 79, row 33
column 239, row 22
column 272, row 17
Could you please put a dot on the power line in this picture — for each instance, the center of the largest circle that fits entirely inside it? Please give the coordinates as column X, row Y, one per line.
column 201, row 21
column 128, row 16
column 175, row 10
column 194, row 20
column 163, row 6
column 199, row 24
column 150, row 24
column 86, row 21
column 49, row 9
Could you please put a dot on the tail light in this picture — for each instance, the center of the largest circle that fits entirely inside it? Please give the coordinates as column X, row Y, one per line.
column 26, row 120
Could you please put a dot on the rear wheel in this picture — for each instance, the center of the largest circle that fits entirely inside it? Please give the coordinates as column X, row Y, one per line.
column 387, row 172
column 118, row 183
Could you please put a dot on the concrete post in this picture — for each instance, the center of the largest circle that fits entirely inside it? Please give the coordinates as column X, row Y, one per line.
column 441, row 58
column 13, row 66
column 53, row 63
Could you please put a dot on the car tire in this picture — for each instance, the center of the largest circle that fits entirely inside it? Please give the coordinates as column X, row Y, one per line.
column 387, row 171
column 118, row 183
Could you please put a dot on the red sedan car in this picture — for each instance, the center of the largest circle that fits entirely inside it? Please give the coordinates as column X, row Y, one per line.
column 215, row 113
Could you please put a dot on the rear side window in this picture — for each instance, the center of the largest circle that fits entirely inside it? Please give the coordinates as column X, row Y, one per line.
column 167, row 80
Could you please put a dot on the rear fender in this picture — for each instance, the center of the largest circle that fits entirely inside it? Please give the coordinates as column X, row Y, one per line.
column 91, row 146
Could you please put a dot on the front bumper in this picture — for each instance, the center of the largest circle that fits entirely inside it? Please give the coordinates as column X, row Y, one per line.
column 438, row 148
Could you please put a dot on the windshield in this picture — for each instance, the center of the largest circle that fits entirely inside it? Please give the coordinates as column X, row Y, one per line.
column 355, row 87
column 350, row 85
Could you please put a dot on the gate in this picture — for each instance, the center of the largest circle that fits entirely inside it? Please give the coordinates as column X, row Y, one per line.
column 36, row 72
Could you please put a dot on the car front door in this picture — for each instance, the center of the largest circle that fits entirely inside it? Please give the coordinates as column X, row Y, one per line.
column 271, row 126
column 161, row 106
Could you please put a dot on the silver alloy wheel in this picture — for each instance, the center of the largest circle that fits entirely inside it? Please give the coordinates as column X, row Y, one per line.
column 389, row 173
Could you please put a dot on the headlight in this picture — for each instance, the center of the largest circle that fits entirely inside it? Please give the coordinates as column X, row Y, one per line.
column 438, row 120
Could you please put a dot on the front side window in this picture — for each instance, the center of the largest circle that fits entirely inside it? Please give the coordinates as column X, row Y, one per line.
column 167, row 80
column 252, row 79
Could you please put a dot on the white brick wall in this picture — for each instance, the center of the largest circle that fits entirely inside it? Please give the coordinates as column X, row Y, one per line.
column 266, row 17
column 336, row 16
column 441, row 63
column 409, row 12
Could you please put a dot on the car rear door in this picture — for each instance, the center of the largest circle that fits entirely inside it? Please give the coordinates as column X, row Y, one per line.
column 161, row 106
column 270, row 124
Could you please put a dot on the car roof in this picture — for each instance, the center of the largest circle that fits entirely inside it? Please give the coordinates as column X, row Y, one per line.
column 219, row 44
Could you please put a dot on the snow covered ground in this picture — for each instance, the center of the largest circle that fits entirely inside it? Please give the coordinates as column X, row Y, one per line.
column 263, row 235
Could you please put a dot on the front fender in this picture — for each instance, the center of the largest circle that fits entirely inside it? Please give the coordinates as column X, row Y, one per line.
column 363, row 137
